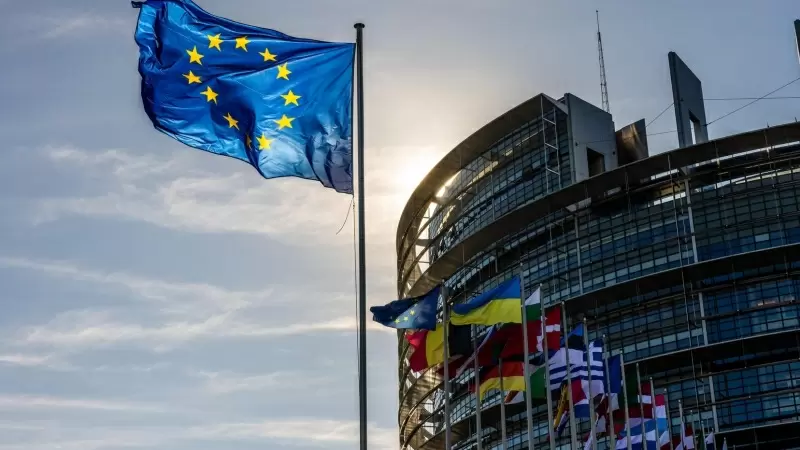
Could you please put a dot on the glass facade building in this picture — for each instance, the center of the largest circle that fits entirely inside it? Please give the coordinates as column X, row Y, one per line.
column 688, row 262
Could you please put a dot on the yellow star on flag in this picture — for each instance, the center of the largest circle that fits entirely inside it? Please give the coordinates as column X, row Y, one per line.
column 412, row 312
column 283, row 72
column 214, row 41
column 248, row 141
column 284, row 122
column 194, row 57
column 210, row 95
column 291, row 98
column 242, row 43
column 192, row 77
column 267, row 55
column 232, row 123
column 405, row 318
column 263, row 142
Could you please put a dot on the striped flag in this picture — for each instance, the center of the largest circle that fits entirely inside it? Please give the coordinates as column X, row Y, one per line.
column 578, row 368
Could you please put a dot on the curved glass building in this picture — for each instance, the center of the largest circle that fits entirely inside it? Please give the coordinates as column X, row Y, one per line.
column 687, row 261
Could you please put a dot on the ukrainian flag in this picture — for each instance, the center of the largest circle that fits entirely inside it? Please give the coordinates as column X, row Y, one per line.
column 502, row 304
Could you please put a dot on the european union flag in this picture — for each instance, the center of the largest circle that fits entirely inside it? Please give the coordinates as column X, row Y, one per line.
column 282, row 104
column 416, row 312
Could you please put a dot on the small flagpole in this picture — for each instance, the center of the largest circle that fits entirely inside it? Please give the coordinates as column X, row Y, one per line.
column 669, row 420
column 653, row 402
column 592, row 429
column 683, row 425
column 477, row 370
column 572, row 428
column 548, row 393
column 702, row 429
column 609, row 408
column 625, row 399
column 362, row 268
column 641, row 399
column 502, row 407
column 446, row 325
column 525, row 368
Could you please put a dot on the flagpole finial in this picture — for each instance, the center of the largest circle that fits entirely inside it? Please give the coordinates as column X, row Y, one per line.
column 358, row 25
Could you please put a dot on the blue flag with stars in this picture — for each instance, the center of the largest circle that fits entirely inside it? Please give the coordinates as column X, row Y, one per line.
column 415, row 312
column 282, row 104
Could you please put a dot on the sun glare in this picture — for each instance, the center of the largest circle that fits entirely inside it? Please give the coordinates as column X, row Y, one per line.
column 413, row 169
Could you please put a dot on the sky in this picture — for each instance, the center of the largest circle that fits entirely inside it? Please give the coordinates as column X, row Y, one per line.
column 158, row 297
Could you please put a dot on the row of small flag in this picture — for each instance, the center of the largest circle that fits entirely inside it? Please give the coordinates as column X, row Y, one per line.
column 570, row 363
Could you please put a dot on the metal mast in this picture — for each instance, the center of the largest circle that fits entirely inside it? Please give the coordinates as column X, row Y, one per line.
column 603, row 84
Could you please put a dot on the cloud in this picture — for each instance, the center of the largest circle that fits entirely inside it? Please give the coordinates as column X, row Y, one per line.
column 186, row 312
column 24, row 360
column 82, row 24
column 170, row 192
column 176, row 192
column 18, row 402
column 38, row 361
column 172, row 297
column 300, row 431
column 77, row 329
column 218, row 383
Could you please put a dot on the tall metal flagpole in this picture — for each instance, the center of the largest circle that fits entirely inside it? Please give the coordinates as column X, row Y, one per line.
column 592, row 429
column 446, row 325
column 477, row 369
column 548, row 393
column 526, row 372
column 362, row 267
column 573, row 431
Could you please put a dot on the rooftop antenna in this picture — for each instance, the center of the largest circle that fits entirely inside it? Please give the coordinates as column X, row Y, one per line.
column 603, row 84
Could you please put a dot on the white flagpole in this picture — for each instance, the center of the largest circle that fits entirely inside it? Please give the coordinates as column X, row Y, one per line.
column 548, row 394
column 526, row 369
column 446, row 325
column 625, row 400
column 683, row 425
column 591, row 394
column 477, row 370
column 502, row 407
column 653, row 402
column 609, row 409
column 641, row 399
column 669, row 420
column 572, row 428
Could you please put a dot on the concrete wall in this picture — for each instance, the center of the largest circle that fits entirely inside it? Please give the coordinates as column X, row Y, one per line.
column 590, row 128
column 632, row 143
column 797, row 32
column 690, row 111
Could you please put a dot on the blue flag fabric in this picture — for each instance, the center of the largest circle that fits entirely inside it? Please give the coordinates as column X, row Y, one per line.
column 280, row 103
column 614, row 375
column 415, row 313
